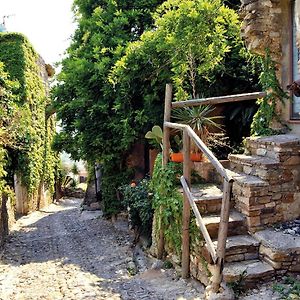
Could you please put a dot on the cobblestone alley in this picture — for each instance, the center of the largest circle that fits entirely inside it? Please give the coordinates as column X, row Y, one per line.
column 61, row 253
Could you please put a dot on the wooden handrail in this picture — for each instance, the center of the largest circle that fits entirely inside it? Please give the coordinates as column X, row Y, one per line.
column 200, row 223
column 219, row 100
column 218, row 254
column 221, row 170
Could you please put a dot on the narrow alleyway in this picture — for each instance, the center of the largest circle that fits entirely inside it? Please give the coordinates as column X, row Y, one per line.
column 61, row 253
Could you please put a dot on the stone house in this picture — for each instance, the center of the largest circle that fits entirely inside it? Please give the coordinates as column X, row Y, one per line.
column 266, row 178
column 275, row 24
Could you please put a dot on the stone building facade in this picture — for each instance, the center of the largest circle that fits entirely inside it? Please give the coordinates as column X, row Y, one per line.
column 275, row 24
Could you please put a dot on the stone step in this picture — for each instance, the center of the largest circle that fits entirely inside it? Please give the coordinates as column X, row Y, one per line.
column 245, row 180
column 263, row 167
column 236, row 224
column 279, row 249
column 248, row 273
column 238, row 248
column 283, row 148
column 208, row 198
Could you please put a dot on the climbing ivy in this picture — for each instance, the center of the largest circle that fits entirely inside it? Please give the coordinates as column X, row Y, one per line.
column 33, row 159
column 267, row 112
column 165, row 184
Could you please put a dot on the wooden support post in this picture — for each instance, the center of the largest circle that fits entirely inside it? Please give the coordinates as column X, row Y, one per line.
column 167, row 118
column 166, row 153
column 186, row 207
column 222, row 237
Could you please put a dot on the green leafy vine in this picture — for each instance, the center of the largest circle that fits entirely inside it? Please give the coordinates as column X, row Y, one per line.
column 267, row 112
column 164, row 184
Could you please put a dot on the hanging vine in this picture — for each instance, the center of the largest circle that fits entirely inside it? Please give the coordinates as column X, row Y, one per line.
column 267, row 112
column 33, row 159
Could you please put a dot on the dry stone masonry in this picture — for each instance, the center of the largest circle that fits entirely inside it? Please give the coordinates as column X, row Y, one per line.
column 262, row 26
column 270, row 193
column 266, row 192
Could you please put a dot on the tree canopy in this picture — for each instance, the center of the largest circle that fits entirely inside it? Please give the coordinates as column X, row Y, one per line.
column 111, row 88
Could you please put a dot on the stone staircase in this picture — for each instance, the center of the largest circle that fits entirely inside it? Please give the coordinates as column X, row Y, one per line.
column 265, row 192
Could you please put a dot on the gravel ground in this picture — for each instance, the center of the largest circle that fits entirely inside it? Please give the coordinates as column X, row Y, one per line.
column 61, row 253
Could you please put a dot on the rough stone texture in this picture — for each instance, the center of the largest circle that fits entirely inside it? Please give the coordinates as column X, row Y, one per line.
column 272, row 193
column 61, row 253
column 207, row 196
column 262, row 26
column 7, row 217
column 236, row 224
column 238, row 248
column 90, row 194
column 280, row 250
column 208, row 172
column 252, row 271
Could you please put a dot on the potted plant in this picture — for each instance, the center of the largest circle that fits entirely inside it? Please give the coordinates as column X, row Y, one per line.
column 199, row 118
column 177, row 155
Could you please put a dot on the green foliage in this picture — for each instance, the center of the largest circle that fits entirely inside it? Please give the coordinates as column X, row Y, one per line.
column 199, row 118
column 238, row 285
column 75, row 170
column 155, row 136
column 266, row 114
column 138, row 199
column 113, row 176
column 110, row 90
column 164, row 184
column 289, row 288
column 31, row 154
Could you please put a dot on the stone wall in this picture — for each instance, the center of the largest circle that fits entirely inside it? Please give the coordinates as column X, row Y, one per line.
column 7, row 216
column 272, row 192
column 262, row 26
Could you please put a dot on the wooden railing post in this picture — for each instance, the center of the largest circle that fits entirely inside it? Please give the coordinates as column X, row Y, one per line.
column 166, row 154
column 222, row 236
column 167, row 118
column 185, row 261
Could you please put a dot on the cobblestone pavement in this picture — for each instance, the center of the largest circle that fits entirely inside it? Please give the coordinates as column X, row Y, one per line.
column 61, row 253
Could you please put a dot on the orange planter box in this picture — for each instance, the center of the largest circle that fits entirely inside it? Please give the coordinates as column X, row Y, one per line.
column 178, row 157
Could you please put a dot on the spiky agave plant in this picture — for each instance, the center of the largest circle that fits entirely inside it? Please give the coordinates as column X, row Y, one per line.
column 200, row 119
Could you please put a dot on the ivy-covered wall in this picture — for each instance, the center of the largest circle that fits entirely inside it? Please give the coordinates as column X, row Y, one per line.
column 31, row 162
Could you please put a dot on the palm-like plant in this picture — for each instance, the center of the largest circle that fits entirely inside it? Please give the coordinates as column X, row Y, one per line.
column 200, row 119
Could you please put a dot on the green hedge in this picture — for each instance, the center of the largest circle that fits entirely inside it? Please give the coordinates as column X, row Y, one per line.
column 32, row 157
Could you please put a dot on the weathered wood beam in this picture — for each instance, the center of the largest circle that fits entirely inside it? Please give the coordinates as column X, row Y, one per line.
column 222, row 237
column 186, row 213
column 219, row 100
column 221, row 170
column 166, row 153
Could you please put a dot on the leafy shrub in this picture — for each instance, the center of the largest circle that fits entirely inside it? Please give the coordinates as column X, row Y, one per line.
column 165, row 183
column 138, row 200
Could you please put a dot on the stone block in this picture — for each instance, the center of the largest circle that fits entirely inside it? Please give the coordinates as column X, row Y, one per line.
column 253, row 221
column 295, row 268
column 293, row 160
column 276, row 196
column 261, row 152
column 237, row 257
column 273, row 254
column 274, row 264
column 287, row 198
column 264, row 200
column 268, row 210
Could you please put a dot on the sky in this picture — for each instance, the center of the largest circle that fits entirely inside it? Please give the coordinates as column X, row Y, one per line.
column 48, row 24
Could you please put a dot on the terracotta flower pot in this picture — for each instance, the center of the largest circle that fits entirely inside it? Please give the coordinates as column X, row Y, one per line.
column 178, row 157
column 196, row 156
